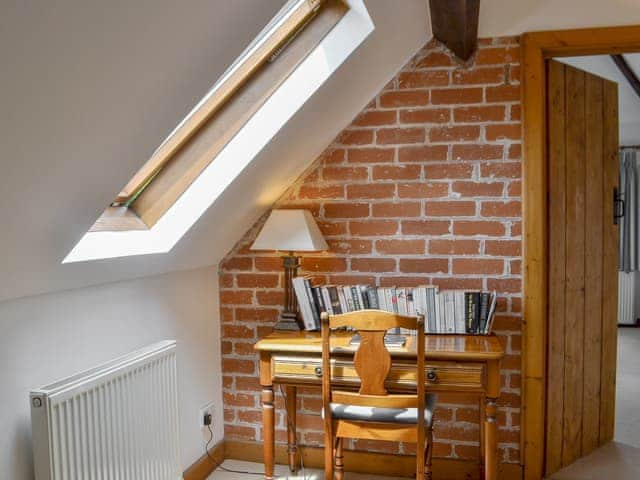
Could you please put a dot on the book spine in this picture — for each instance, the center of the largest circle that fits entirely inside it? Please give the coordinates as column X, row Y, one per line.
column 372, row 292
column 394, row 299
column 484, row 311
column 335, row 300
column 327, row 300
column 491, row 313
column 315, row 313
column 301, row 295
column 344, row 307
column 362, row 295
column 469, row 311
column 356, row 300
column 317, row 298
column 476, row 313
column 459, row 323
column 348, row 298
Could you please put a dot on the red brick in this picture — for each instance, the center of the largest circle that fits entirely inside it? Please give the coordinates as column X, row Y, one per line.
column 256, row 315
column 332, row 156
column 400, row 136
column 448, row 171
column 515, row 267
column 370, row 155
column 324, row 191
column 346, row 210
column 373, row 227
column 506, row 131
column 516, row 229
column 424, row 78
column 250, row 416
column 453, row 283
column 497, row 55
column 486, row 113
column 236, row 297
column 454, row 133
column 477, row 152
column 501, row 170
column 226, row 314
column 506, row 285
column 450, row 209
column 467, row 452
column 400, row 247
column 226, row 347
column 454, row 247
column 423, row 190
column 396, row 172
column 515, row 112
column 501, row 209
column 324, row 264
column 352, row 279
column 426, row 153
column 268, row 264
column 270, row 297
column 434, row 59
column 403, row 280
column 244, row 348
column 473, row 227
column 515, row 151
column 467, row 266
column 424, row 265
column 404, row 98
column 238, row 263
column 350, row 246
column 456, row 95
column 400, row 209
column 332, row 228
column 478, row 189
column 506, row 248
column 239, row 432
column 503, row 93
column 426, row 227
column 515, row 189
column 368, row 190
column 478, row 76
column 373, row 264
column 374, row 118
column 260, row 280
column 234, row 365
column 237, row 331
column 345, row 173
column 355, row 137
column 425, row 115
column 226, row 280
column 514, row 74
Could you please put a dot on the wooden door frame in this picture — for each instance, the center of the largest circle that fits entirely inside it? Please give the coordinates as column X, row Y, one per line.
column 536, row 48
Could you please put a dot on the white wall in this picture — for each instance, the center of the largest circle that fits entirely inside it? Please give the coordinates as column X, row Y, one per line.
column 47, row 337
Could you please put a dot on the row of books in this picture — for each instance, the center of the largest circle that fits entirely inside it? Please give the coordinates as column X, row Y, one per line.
column 447, row 311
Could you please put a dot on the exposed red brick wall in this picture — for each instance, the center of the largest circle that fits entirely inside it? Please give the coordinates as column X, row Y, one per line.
column 423, row 187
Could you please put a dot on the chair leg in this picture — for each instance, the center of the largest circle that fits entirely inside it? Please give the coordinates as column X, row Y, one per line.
column 339, row 465
column 428, row 454
column 328, row 456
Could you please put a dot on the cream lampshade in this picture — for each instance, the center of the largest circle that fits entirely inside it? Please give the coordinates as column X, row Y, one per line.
column 290, row 231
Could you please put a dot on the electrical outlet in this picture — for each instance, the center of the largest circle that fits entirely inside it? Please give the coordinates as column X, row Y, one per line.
column 206, row 409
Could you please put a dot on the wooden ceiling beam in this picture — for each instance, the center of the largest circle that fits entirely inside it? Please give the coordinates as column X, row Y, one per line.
column 455, row 23
column 627, row 71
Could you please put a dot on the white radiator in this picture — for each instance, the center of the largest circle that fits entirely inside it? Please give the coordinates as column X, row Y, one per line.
column 118, row 421
column 627, row 313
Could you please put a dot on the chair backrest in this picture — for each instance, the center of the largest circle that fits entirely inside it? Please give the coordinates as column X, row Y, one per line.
column 372, row 360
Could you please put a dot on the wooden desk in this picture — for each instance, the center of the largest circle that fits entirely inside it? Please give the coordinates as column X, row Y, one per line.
column 454, row 363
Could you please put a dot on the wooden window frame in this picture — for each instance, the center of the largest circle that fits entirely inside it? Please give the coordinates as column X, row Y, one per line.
column 170, row 170
column 536, row 48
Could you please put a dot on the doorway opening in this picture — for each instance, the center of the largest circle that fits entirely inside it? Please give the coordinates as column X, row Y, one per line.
column 579, row 416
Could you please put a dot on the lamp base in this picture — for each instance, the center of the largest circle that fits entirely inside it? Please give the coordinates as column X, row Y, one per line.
column 287, row 322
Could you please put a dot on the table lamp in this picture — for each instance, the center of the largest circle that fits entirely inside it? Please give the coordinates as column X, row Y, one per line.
column 290, row 231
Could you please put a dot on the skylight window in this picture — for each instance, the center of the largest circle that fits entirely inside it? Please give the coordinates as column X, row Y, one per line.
column 293, row 55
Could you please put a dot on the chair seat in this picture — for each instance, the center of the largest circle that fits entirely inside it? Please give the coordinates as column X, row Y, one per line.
column 406, row 416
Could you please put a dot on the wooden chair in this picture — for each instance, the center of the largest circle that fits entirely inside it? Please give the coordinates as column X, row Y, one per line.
column 373, row 413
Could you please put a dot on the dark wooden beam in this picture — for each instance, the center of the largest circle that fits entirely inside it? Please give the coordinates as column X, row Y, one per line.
column 628, row 73
column 455, row 23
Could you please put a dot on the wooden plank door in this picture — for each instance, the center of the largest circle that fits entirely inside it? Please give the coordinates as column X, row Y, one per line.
column 583, row 248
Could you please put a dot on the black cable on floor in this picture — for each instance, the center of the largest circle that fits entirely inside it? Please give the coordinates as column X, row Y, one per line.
column 241, row 472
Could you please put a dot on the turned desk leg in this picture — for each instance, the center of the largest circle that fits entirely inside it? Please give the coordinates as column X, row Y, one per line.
column 339, row 459
column 292, row 447
column 490, row 440
column 268, row 422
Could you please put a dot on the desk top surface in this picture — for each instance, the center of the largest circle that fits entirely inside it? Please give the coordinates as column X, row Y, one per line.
column 445, row 347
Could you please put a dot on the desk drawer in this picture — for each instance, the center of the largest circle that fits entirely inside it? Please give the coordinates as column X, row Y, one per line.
column 439, row 375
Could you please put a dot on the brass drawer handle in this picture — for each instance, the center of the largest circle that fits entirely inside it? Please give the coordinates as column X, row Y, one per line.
column 318, row 371
column 432, row 376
